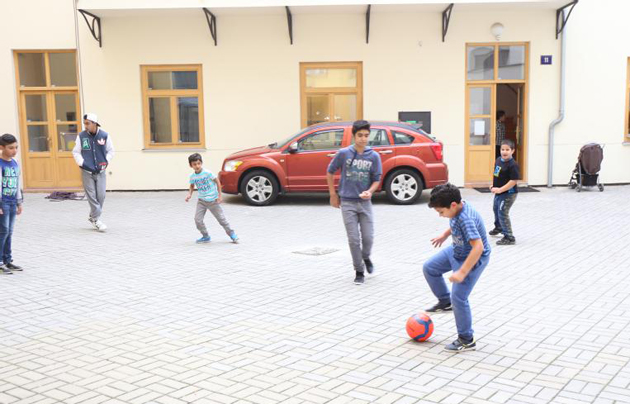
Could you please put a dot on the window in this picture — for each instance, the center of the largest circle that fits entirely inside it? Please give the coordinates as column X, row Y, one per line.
column 627, row 112
column 402, row 138
column 172, row 106
column 378, row 137
column 326, row 140
column 486, row 62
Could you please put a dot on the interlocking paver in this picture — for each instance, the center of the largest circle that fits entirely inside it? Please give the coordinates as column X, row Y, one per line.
column 141, row 314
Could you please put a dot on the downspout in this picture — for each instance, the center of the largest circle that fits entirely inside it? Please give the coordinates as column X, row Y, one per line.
column 79, row 69
column 552, row 125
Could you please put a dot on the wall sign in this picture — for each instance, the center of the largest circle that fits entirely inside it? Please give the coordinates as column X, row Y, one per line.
column 416, row 117
column 545, row 59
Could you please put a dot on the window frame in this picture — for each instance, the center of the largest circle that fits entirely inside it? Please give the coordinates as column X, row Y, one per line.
column 172, row 95
column 626, row 127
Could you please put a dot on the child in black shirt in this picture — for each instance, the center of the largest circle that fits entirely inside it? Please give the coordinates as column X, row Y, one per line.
column 506, row 173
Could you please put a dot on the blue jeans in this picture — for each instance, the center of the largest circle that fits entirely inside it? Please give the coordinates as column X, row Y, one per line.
column 7, row 221
column 501, row 207
column 438, row 265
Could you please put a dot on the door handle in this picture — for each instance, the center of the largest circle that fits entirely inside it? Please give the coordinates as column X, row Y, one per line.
column 331, row 155
column 386, row 151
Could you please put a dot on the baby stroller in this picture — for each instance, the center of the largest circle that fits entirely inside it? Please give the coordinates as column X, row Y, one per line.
column 586, row 171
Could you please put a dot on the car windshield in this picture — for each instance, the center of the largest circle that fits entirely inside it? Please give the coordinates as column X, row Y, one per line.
column 277, row 145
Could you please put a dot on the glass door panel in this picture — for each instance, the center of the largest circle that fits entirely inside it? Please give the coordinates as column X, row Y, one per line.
column 317, row 109
column 345, row 107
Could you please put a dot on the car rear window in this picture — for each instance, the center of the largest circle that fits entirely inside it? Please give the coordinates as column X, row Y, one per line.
column 402, row 138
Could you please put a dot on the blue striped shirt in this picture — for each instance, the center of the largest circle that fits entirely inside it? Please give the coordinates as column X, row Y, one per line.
column 206, row 187
column 466, row 226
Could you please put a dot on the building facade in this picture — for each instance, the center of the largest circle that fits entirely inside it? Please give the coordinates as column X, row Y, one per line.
column 167, row 79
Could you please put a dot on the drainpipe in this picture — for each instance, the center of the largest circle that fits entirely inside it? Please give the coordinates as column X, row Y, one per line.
column 552, row 125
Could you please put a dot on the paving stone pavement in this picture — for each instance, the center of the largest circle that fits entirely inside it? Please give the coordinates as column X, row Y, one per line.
column 141, row 314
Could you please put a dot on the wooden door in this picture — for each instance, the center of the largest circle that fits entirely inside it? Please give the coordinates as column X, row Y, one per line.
column 480, row 133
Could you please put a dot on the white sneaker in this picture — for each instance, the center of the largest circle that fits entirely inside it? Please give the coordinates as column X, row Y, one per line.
column 100, row 226
column 93, row 223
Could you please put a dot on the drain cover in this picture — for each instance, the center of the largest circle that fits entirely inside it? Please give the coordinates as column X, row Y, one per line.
column 317, row 251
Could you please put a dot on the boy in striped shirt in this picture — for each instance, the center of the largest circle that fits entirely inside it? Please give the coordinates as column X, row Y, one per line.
column 210, row 198
column 467, row 257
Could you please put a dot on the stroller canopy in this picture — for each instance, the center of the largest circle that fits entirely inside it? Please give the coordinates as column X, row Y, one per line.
column 591, row 156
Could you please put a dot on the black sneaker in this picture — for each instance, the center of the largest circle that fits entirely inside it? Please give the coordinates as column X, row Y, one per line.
column 13, row 267
column 440, row 307
column 459, row 346
column 495, row 232
column 359, row 279
column 369, row 267
column 5, row 270
column 507, row 241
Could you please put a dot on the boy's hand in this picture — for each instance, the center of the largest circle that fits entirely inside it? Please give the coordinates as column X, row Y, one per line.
column 457, row 277
column 365, row 195
column 19, row 209
column 220, row 199
column 188, row 198
column 437, row 242
column 494, row 190
column 334, row 200
column 1, row 212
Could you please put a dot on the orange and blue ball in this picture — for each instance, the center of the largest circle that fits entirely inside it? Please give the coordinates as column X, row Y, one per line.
column 420, row 326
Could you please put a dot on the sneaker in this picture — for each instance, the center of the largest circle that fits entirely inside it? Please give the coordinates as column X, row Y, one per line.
column 495, row 232
column 459, row 346
column 13, row 267
column 100, row 226
column 369, row 267
column 93, row 222
column 6, row 270
column 234, row 237
column 507, row 241
column 359, row 279
column 440, row 307
column 204, row 239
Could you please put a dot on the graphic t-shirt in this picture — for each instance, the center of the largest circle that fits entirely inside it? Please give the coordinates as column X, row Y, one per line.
column 10, row 177
column 358, row 171
column 206, row 187
column 504, row 171
column 466, row 226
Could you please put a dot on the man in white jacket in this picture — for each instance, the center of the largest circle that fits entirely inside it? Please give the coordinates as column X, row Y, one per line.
column 93, row 151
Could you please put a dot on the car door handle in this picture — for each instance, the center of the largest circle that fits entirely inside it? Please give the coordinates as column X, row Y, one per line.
column 386, row 151
column 331, row 155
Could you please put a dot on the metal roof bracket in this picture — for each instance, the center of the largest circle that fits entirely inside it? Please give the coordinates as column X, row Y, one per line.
column 93, row 26
column 212, row 24
column 446, row 19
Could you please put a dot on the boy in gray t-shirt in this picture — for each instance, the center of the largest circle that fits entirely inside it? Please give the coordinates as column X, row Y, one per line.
column 361, row 172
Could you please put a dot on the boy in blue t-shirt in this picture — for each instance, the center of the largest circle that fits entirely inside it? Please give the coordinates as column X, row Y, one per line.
column 467, row 257
column 210, row 197
column 10, row 200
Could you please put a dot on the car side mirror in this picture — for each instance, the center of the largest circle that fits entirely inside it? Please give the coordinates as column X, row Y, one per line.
column 293, row 147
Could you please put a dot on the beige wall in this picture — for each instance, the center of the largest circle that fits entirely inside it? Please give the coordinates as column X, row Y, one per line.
column 251, row 80
column 29, row 24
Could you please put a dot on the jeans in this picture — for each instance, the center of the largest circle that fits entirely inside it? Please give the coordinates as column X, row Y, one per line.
column 7, row 221
column 443, row 262
column 94, row 186
column 501, row 207
column 215, row 208
column 359, row 221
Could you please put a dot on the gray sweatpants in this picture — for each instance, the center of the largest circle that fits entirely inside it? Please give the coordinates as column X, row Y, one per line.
column 215, row 208
column 94, row 186
column 359, row 222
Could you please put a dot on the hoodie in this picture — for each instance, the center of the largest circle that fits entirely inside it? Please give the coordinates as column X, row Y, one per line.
column 358, row 171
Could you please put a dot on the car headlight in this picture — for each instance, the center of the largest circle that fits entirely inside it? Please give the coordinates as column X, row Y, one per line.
column 231, row 165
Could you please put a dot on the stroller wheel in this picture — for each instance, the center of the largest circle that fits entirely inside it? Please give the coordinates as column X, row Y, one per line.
column 572, row 185
column 579, row 188
column 601, row 187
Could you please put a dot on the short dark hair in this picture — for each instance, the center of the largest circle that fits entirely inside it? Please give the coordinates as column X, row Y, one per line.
column 7, row 139
column 359, row 125
column 444, row 195
column 194, row 157
column 508, row 142
column 500, row 114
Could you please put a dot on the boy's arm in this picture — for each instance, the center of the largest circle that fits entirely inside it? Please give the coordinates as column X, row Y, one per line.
column 190, row 192
column 469, row 263
column 76, row 151
column 334, row 198
column 510, row 184
column 218, row 182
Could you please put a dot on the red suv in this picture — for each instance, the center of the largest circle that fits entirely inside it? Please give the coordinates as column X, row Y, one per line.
column 412, row 161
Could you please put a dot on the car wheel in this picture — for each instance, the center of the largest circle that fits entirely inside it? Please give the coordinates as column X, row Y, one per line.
column 404, row 187
column 259, row 188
